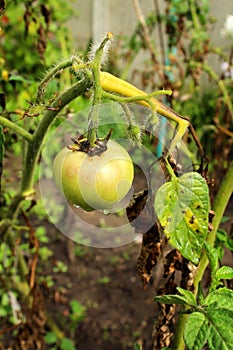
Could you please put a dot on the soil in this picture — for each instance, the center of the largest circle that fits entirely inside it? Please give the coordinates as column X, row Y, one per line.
column 119, row 311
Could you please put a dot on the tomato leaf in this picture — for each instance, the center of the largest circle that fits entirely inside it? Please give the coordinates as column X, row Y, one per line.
column 220, row 298
column 182, row 207
column 185, row 298
column 67, row 344
column 225, row 272
column 221, row 329
column 196, row 331
column 137, row 346
column 189, row 297
column 213, row 324
column 15, row 77
column 50, row 338
column 170, row 299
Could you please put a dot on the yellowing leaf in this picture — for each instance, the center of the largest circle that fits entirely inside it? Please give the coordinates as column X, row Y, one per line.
column 182, row 207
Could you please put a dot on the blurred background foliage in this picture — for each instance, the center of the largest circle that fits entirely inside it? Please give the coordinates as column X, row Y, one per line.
column 179, row 50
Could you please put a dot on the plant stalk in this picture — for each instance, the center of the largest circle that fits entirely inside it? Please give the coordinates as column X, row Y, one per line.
column 195, row 19
column 16, row 128
column 93, row 117
column 178, row 341
column 75, row 62
column 220, row 203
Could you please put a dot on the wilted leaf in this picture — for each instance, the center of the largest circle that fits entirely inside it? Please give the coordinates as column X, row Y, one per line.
column 150, row 251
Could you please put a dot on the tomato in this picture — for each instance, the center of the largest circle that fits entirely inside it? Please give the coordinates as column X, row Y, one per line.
column 94, row 182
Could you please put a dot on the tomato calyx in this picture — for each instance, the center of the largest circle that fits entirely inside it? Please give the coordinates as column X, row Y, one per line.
column 81, row 144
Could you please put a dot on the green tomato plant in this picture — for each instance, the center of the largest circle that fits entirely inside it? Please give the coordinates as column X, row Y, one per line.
column 180, row 209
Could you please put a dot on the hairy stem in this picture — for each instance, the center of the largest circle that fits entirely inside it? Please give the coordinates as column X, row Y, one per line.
column 16, row 128
column 97, row 94
column 74, row 61
column 51, row 74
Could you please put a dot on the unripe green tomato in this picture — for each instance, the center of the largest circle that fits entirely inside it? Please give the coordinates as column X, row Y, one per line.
column 94, row 182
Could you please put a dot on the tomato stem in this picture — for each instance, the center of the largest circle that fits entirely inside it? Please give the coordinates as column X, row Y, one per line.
column 134, row 131
column 16, row 128
column 75, row 62
column 97, row 93
column 219, row 206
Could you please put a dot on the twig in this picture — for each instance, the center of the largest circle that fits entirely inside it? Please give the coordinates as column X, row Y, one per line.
column 160, row 31
column 222, row 129
column 147, row 39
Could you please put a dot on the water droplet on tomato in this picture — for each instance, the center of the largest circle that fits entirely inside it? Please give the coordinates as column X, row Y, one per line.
column 106, row 211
